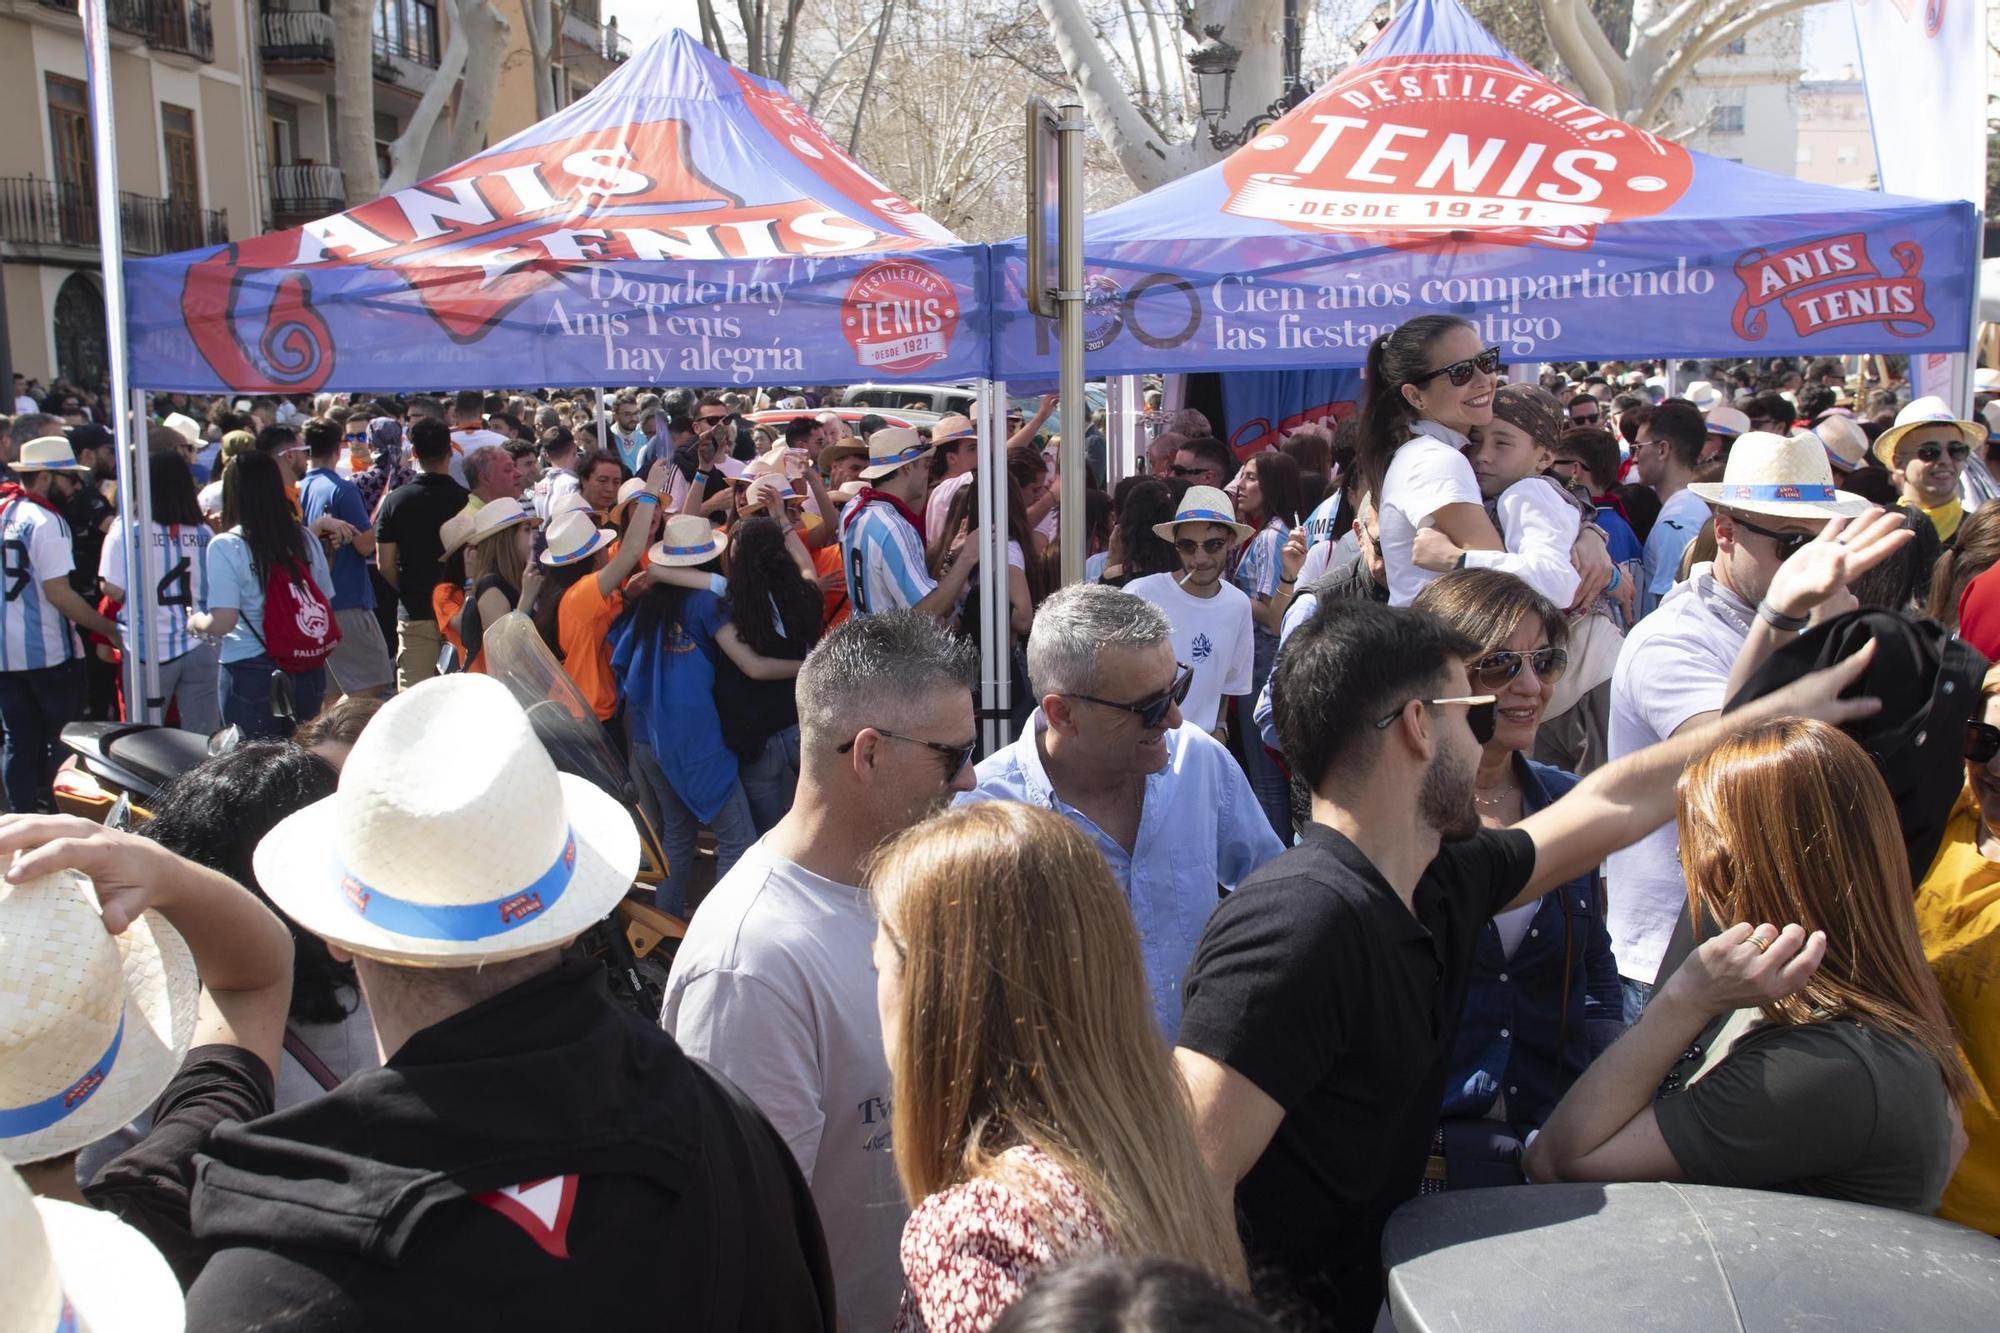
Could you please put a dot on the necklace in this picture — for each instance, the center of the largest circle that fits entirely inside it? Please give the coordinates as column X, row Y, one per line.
column 1497, row 800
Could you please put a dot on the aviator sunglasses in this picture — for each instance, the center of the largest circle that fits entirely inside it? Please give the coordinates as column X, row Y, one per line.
column 1460, row 372
column 1495, row 670
column 1930, row 451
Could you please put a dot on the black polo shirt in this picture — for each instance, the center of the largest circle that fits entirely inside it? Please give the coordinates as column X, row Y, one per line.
column 412, row 518
column 1314, row 982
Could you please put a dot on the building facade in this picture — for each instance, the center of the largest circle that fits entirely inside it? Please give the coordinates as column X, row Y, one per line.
column 1836, row 145
column 587, row 46
column 1742, row 102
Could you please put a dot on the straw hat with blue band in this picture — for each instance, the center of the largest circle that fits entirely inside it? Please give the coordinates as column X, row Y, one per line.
column 92, row 1026
column 452, row 839
column 893, row 448
column 1784, row 476
column 1726, row 421
column 687, row 539
column 1929, row 411
column 72, row 1269
column 1204, row 504
column 1846, row 444
column 573, row 538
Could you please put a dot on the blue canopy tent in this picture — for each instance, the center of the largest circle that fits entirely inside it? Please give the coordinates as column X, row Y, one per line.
column 1438, row 173
column 684, row 224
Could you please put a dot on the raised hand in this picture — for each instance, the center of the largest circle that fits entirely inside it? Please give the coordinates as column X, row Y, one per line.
column 1745, row 968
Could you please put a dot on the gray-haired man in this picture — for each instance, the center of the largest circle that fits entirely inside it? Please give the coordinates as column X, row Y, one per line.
column 1168, row 807
column 774, row 985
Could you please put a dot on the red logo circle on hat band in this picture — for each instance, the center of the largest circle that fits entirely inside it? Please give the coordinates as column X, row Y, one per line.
column 899, row 315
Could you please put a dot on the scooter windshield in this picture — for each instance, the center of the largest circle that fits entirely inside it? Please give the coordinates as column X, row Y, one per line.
column 563, row 719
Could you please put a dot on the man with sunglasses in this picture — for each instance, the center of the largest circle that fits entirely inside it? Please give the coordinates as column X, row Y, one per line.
column 1210, row 615
column 1167, row 806
column 1926, row 451
column 1204, row 461
column 1585, row 410
column 774, row 984
column 1324, row 1001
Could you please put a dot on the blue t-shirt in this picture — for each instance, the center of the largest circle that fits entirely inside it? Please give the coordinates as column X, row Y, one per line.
column 668, row 678
column 325, row 491
column 233, row 583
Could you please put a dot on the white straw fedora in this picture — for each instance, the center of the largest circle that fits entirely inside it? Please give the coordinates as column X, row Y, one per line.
column 456, row 530
column 74, row 1268
column 1727, row 421
column 892, row 448
column 574, row 537
column 1787, row 476
column 452, row 840
column 687, row 539
column 633, row 488
column 50, row 453
column 185, row 426
column 92, row 1026
column 1703, row 394
column 1203, row 504
column 1845, row 442
column 497, row 516
column 956, row 426
column 1927, row 411
column 569, row 502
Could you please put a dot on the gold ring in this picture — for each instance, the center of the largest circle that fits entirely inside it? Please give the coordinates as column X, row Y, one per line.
column 1757, row 938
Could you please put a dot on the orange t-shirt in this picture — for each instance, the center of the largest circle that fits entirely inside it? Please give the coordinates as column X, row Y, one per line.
column 446, row 601
column 583, row 628
column 826, row 560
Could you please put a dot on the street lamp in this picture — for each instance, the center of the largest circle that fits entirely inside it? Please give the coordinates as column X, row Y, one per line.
column 1214, row 64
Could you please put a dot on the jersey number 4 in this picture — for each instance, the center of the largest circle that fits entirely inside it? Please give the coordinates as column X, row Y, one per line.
column 177, row 586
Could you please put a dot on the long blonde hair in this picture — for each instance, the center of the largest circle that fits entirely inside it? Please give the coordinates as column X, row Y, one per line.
column 499, row 553
column 1790, row 821
column 1025, row 1019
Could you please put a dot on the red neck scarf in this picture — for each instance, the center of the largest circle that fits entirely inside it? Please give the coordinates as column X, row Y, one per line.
column 869, row 495
column 11, row 491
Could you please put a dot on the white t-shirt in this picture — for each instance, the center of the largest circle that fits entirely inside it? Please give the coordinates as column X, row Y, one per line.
column 1675, row 665
column 938, row 507
column 1212, row 635
column 1427, row 473
column 1538, row 525
column 774, row 987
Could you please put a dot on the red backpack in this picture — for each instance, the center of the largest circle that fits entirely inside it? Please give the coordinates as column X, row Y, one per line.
column 299, row 628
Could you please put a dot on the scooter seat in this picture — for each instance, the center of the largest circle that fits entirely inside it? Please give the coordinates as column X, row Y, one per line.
column 159, row 753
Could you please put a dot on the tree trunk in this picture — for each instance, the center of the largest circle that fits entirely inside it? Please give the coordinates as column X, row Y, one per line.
column 543, row 23
column 354, row 98
column 486, row 43
column 415, row 147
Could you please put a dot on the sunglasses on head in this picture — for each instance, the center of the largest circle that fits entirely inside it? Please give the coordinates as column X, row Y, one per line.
column 1982, row 742
column 1497, row 669
column 1480, row 713
column 1930, row 451
column 1788, row 543
column 1152, row 711
column 1207, row 546
column 1459, row 372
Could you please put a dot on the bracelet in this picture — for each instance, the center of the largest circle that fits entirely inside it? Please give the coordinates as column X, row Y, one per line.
column 1286, row 583
column 1617, row 577
column 700, row 478
column 1778, row 620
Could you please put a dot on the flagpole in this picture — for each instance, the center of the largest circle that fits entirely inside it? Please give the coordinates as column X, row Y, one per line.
column 140, row 672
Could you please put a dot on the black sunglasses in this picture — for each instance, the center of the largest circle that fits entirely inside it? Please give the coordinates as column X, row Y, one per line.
column 1586, row 418
column 1480, row 713
column 1788, row 543
column 1496, row 669
column 1152, row 712
column 1210, row 546
column 955, row 757
column 1930, row 451
column 1206, row 470
column 1982, row 742
column 1458, row 372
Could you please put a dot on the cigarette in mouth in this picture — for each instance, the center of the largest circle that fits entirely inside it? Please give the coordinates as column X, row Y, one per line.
column 1183, row 580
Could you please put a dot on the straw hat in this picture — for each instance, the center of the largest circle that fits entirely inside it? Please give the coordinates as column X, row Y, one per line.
column 456, row 530
column 1726, row 421
column 847, row 491
column 1785, row 476
column 573, row 538
column 92, row 1026
column 1845, row 442
column 185, row 426
column 842, row 449
column 1203, row 504
column 687, row 539
column 71, row 1267
column 1985, row 380
column 1991, row 412
column 49, row 453
column 497, row 516
column 569, row 502
column 1926, row 411
column 452, row 840
column 957, row 426
column 889, row 450
column 633, row 488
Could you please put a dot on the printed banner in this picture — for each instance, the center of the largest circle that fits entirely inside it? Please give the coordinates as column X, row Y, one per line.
column 1263, row 408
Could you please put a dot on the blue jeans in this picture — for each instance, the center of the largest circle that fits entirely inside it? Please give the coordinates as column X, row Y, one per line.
column 1267, row 781
column 772, row 778
column 246, row 698
column 733, row 826
column 1637, row 996
column 34, row 707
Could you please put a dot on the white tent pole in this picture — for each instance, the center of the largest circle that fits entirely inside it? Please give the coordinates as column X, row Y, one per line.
column 602, row 437
column 1121, row 428
column 144, row 562
column 128, row 427
column 995, row 625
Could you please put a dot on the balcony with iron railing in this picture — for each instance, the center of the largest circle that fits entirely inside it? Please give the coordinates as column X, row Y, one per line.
column 307, row 190
column 184, row 27
column 604, row 38
column 294, row 37
column 63, row 214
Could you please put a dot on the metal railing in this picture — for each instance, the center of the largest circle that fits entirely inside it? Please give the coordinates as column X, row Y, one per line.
column 307, row 189
column 603, row 38
column 389, row 47
column 293, row 35
column 34, row 211
column 183, row 26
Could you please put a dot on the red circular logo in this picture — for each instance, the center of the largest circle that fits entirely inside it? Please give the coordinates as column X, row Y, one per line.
column 899, row 315
column 1448, row 143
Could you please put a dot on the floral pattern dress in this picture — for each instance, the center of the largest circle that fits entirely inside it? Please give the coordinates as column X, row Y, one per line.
column 971, row 1250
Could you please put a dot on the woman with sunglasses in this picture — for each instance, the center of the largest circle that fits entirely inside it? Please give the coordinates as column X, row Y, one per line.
column 1817, row 1057
column 1958, row 916
column 1544, row 999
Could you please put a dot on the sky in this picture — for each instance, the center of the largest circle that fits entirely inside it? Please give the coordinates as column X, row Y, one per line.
column 643, row 20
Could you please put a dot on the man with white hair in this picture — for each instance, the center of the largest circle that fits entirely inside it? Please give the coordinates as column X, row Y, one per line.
column 1166, row 804
column 490, row 475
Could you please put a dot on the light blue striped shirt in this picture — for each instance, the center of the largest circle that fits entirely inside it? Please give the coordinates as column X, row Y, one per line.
column 884, row 559
column 34, row 548
column 181, row 562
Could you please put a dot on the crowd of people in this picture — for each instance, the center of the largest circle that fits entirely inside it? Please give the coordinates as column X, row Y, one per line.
column 1513, row 781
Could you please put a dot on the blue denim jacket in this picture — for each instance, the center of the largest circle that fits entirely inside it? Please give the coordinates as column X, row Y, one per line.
column 1517, row 1010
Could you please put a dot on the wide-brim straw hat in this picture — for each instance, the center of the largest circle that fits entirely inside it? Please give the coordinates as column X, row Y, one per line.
column 48, row 453
column 92, row 1026
column 1787, row 476
column 1992, row 414
column 72, row 1267
column 452, row 840
column 569, row 502
column 183, row 425
column 1926, row 411
column 840, row 450
column 633, row 488
column 574, row 538
column 687, row 539
column 956, row 426
column 1728, row 421
column 1845, row 442
column 497, row 516
column 1203, row 504
column 892, row 449
column 455, row 531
